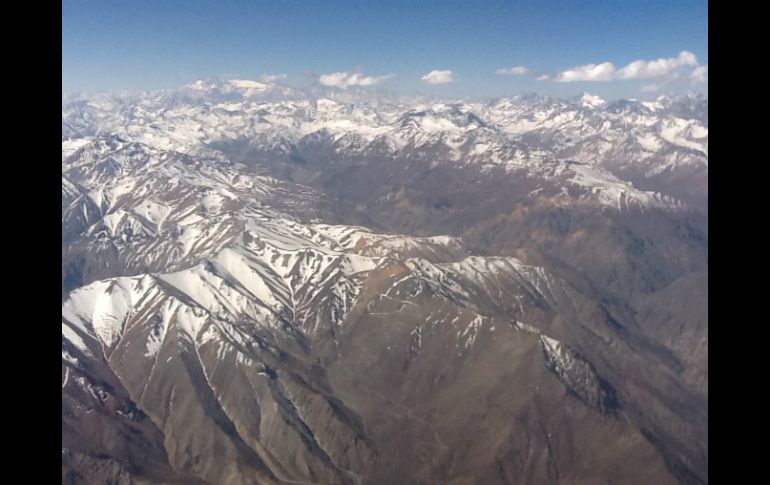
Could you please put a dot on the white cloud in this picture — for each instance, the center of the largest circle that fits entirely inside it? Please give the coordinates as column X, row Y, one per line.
column 640, row 69
column 700, row 75
column 338, row 79
column 657, row 68
column 438, row 77
column 510, row 71
column 649, row 88
column 271, row 78
column 345, row 79
column 544, row 77
column 590, row 72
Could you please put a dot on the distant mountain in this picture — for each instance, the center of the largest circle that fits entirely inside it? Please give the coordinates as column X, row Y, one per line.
column 631, row 140
column 267, row 285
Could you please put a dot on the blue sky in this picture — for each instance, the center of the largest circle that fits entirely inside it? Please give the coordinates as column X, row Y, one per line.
column 579, row 45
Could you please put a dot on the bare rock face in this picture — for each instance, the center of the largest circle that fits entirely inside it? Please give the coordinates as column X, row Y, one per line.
column 390, row 304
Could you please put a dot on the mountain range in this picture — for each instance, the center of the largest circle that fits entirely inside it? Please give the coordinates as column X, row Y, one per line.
column 263, row 284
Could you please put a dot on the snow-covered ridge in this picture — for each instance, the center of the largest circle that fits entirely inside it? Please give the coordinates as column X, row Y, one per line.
column 219, row 239
column 615, row 192
column 281, row 278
